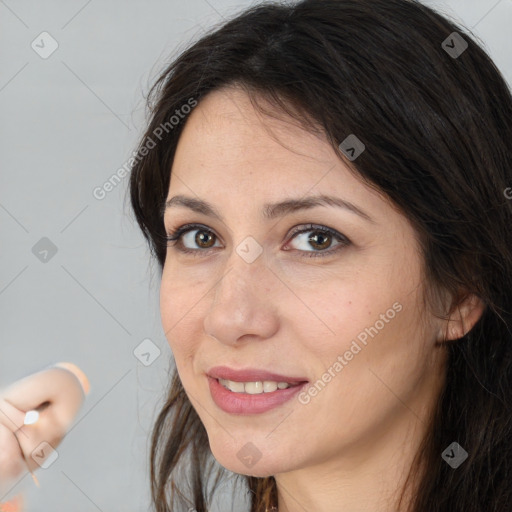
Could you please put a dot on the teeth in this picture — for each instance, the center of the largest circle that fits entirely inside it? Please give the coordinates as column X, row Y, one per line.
column 269, row 386
column 254, row 388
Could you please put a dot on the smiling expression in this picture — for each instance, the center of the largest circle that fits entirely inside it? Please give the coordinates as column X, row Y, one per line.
column 321, row 274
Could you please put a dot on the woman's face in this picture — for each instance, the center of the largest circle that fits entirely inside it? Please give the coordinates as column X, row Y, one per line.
column 340, row 309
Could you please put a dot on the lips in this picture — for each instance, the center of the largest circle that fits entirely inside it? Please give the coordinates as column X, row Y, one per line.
column 252, row 375
column 244, row 403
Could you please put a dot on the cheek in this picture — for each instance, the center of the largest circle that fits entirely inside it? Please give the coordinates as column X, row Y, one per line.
column 364, row 327
column 339, row 314
column 175, row 300
column 179, row 311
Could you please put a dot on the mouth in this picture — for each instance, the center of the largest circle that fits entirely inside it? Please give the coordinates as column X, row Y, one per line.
column 251, row 391
column 256, row 387
column 252, row 375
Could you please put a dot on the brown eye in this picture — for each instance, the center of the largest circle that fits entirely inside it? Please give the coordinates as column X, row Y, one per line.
column 319, row 238
column 204, row 238
column 196, row 240
column 192, row 239
column 324, row 243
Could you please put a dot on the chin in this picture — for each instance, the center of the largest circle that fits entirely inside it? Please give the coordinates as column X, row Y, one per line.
column 262, row 467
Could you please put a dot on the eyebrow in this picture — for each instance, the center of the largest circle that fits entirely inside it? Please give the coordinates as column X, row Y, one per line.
column 270, row 210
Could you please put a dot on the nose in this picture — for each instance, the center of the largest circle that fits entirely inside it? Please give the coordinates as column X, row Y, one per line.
column 244, row 306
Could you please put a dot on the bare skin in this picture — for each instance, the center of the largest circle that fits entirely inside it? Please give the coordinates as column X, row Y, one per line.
column 64, row 387
column 351, row 445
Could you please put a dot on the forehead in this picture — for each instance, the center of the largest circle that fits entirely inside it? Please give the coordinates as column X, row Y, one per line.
column 229, row 149
column 227, row 119
column 226, row 133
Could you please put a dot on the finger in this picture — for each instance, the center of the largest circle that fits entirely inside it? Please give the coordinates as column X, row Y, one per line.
column 56, row 385
column 40, row 439
column 78, row 373
column 12, row 464
column 63, row 388
column 10, row 416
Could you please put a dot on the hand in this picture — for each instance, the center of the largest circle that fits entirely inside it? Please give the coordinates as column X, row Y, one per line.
column 11, row 459
column 62, row 389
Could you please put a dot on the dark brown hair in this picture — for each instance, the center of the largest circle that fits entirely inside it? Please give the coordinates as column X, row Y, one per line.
column 437, row 129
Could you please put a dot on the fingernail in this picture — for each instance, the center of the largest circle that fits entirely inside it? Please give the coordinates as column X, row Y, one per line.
column 31, row 417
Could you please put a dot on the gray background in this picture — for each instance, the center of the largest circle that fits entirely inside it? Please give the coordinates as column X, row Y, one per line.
column 69, row 122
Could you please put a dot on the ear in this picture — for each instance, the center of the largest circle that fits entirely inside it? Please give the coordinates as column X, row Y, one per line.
column 465, row 314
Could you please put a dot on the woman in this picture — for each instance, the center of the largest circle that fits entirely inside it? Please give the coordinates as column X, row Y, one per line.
column 323, row 186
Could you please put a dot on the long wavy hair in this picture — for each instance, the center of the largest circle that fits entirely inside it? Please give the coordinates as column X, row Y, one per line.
column 437, row 127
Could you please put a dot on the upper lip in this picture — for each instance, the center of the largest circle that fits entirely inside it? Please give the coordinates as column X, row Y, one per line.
column 251, row 375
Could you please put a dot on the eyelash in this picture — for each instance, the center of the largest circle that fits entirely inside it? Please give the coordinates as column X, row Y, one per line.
column 174, row 239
